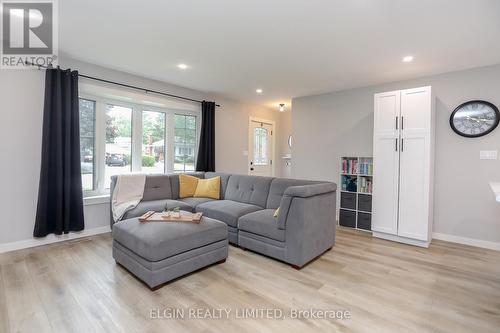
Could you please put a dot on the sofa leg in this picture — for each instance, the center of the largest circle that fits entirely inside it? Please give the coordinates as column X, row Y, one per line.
column 157, row 287
column 221, row 261
column 300, row 267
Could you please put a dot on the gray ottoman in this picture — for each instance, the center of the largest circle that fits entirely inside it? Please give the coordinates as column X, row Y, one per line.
column 157, row 252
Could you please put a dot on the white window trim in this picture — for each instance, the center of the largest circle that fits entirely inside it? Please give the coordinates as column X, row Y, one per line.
column 136, row 163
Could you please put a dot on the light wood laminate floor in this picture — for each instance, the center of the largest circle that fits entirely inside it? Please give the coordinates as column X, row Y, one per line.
column 386, row 287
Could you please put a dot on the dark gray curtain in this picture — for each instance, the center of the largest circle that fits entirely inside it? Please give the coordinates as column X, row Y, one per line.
column 206, row 150
column 60, row 201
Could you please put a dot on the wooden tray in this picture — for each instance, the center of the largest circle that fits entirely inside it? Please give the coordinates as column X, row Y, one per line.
column 153, row 216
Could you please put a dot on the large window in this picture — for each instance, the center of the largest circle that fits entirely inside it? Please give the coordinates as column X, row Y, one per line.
column 185, row 143
column 118, row 137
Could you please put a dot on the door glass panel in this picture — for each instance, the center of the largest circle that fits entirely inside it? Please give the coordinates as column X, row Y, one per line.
column 184, row 143
column 118, row 141
column 153, row 142
column 260, row 138
column 87, row 138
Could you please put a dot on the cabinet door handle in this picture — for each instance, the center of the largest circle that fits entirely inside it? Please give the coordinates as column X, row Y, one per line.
column 402, row 122
column 402, row 145
column 396, row 122
column 396, row 149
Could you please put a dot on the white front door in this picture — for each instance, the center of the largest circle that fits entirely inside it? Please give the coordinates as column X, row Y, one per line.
column 260, row 152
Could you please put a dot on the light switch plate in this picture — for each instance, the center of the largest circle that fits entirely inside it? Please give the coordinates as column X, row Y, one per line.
column 488, row 154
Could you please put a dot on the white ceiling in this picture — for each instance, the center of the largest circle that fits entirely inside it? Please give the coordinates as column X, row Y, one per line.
column 289, row 48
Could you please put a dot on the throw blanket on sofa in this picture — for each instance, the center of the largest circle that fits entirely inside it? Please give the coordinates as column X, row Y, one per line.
column 128, row 192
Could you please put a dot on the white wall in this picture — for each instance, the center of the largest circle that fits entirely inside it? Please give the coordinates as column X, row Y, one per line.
column 286, row 131
column 21, row 107
column 327, row 126
column 21, row 104
column 231, row 140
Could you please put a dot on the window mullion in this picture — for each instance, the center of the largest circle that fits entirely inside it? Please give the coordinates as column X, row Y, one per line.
column 100, row 145
column 136, row 139
column 170, row 138
column 165, row 143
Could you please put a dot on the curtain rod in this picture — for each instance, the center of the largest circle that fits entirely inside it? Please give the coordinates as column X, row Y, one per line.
column 124, row 85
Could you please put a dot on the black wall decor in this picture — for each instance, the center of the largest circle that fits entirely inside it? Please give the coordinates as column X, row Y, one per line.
column 474, row 118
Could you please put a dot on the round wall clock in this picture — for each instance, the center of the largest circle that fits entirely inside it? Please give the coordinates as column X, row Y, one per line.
column 474, row 119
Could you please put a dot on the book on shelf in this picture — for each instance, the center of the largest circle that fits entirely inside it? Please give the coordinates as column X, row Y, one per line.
column 365, row 185
column 350, row 166
column 356, row 174
column 366, row 168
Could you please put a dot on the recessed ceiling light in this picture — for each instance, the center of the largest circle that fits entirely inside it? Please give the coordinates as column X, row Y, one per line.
column 408, row 59
column 182, row 66
column 258, row 91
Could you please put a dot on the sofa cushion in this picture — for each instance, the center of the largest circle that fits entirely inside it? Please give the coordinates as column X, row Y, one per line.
column 174, row 182
column 187, row 186
column 278, row 187
column 262, row 223
column 193, row 202
column 226, row 210
column 171, row 204
column 208, row 188
column 157, row 187
column 157, row 206
column 157, row 241
column 248, row 189
column 224, row 178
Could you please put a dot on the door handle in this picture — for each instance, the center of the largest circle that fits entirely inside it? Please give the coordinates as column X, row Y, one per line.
column 402, row 145
column 251, row 169
column 396, row 149
column 397, row 122
column 402, row 122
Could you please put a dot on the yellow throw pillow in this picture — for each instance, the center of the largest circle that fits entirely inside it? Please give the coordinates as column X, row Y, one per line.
column 187, row 186
column 208, row 188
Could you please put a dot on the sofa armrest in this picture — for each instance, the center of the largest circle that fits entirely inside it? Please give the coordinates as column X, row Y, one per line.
column 303, row 191
column 310, row 227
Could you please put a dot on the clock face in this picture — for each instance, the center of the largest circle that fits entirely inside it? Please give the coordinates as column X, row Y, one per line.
column 474, row 119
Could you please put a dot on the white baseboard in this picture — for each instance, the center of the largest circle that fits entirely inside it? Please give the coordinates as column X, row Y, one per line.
column 467, row 241
column 24, row 244
column 400, row 239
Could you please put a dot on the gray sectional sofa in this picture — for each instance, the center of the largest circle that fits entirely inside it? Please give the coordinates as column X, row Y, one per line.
column 304, row 229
